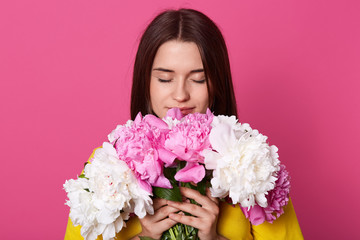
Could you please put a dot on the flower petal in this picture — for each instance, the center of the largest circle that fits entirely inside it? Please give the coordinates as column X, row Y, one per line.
column 163, row 182
column 174, row 113
column 138, row 118
column 192, row 172
column 166, row 156
column 256, row 214
column 155, row 121
column 210, row 158
column 222, row 138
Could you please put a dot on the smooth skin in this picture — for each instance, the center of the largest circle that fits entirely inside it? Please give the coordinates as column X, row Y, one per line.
column 204, row 216
column 154, row 225
column 178, row 80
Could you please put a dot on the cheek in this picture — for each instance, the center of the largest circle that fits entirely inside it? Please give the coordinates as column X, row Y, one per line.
column 210, row 95
column 156, row 91
column 203, row 97
column 152, row 94
column 157, row 97
column 154, row 88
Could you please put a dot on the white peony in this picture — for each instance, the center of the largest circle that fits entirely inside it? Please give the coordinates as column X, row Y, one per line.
column 244, row 165
column 82, row 210
column 103, row 200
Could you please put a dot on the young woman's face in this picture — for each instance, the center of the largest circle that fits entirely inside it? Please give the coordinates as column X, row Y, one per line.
column 178, row 79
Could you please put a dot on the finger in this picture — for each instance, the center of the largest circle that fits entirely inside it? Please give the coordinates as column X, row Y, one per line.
column 167, row 223
column 189, row 208
column 163, row 213
column 187, row 220
column 197, row 196
column 158, row 203
column 149, row 227
column 214, row 199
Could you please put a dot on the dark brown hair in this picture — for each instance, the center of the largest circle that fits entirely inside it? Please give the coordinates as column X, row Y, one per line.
column 186, row 25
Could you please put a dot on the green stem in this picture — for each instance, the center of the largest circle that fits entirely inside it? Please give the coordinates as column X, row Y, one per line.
column 172, row 234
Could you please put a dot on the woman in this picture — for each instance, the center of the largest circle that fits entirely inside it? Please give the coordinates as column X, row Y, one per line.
column 182, row 62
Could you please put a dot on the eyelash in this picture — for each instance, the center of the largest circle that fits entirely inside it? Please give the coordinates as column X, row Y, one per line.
column 167, row 81
column 199, row 81
column 164, row 81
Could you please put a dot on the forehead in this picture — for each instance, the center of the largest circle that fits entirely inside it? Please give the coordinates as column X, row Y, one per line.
column 178, row 56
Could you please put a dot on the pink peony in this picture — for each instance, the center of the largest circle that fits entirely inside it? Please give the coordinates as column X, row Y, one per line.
column 187, row 139
column 255, row 214
column 174, row 113
column 277, row 199
column 140, row 145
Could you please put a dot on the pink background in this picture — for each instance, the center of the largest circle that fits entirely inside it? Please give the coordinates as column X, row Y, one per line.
column 65, row 78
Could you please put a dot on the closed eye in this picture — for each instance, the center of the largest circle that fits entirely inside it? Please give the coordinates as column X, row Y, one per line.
column 164, row 80
column 199, row 81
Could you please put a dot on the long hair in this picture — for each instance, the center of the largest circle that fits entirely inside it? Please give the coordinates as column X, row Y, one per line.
column 186, row 25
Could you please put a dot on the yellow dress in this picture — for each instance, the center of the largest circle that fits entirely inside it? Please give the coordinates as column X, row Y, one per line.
column 232, row 224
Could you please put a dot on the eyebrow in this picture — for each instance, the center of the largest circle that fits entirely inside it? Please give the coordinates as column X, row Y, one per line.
column 171, row 71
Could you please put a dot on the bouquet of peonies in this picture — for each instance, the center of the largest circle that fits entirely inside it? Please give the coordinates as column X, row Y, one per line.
column 152, row 157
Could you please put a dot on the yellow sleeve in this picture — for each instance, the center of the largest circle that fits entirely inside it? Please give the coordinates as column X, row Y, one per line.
column 232, row 223
column 133, row 227
column 285, row 227
column 72, row 232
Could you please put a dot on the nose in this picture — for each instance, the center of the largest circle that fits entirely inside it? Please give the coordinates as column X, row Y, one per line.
column 181, row 93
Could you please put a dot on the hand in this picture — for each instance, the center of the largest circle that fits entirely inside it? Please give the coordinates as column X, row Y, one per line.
column 204, row 216
column 154, row 225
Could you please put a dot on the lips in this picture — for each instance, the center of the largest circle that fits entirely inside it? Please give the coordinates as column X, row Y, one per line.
column 186, row 110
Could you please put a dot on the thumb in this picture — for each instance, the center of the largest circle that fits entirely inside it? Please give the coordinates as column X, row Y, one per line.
column 208, row 194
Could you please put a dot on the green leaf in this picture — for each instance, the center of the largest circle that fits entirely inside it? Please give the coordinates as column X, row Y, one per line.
column 180, row 165
column 169, row 173
column 172, row 194
column 202, row 185
column 83, row 176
